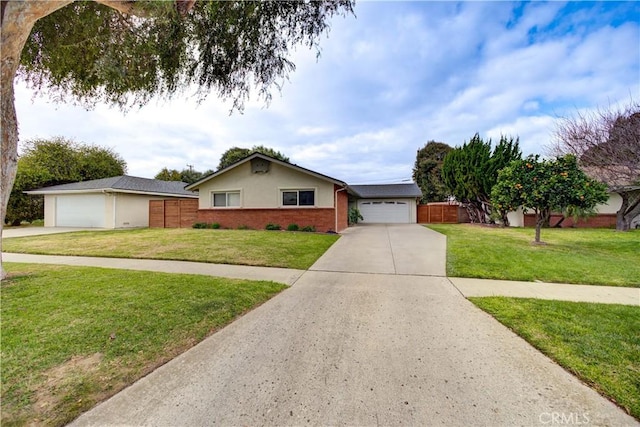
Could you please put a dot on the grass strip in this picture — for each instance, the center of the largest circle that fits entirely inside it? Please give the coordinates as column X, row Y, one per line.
column 243, row 247
column 73, row 336
column 572, row 255
column 599, row 343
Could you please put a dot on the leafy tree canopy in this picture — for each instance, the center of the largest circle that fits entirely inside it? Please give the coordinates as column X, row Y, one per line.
column 188, row 175
column 544, row 186
column 470, row 172
column 234, row 154
column 93, row 52
column 427, row 171
column 56, row 161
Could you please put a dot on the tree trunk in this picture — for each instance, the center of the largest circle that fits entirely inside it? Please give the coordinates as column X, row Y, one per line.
column 540, row 218
column 629, row 209
column 17, row 21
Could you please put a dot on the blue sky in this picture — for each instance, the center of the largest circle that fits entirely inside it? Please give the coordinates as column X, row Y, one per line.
column 397, row 75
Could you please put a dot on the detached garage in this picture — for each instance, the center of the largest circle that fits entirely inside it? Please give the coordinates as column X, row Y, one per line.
column 117, row 202
column 386, row 203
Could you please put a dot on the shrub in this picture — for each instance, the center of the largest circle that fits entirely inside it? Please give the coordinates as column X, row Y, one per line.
column 309, row 229
column 293, row 227
column 215, row 225
column 354, row 216
column 272, row 226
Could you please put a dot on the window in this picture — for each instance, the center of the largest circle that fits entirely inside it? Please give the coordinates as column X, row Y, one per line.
column 226, row 199
column 298, row 198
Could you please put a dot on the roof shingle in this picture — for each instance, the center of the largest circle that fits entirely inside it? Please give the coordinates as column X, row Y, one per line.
column 123, row 183
column 381, row 191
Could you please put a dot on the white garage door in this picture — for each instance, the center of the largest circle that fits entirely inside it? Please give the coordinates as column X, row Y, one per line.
column 384, row 211
column 86, row 210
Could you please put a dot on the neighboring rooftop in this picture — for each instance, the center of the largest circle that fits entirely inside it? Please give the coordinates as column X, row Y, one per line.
column 124, row 183
column 381, row 191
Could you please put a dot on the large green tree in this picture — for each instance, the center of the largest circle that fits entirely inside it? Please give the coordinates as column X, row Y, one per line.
column 127, row 52
column 470, row 172
column 188, row 175
column 234, row 154
column 427, row 171
column 543, row 186
column 56, row 161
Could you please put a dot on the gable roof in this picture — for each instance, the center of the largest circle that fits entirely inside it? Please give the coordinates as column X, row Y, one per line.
column 381, row 191
column 121, row 184
column 252, row 156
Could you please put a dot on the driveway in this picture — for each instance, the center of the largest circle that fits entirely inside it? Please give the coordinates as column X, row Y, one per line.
column 383, row 344
column 387, row 249
column 37, row 231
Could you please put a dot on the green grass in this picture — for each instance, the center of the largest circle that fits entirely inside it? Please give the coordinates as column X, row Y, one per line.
column 72, row 336
column 584, row 256
column 600, row 343
column 244, row 247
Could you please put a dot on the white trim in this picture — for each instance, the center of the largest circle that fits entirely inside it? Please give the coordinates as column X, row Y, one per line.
column 110, row 190
column 212, row 194
column 196, row 184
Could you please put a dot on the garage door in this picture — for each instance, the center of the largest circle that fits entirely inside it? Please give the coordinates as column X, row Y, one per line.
column 85, row 210
column 384, row 211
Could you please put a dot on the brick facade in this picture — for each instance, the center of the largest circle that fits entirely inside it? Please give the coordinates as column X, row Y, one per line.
column 184, row 213
column 600, row 220
column 323, row 219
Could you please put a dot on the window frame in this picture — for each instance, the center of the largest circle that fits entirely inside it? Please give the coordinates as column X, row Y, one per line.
column 227, row 194
column 297, row 192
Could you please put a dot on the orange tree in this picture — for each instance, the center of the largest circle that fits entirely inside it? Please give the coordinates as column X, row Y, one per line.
column 543, row 186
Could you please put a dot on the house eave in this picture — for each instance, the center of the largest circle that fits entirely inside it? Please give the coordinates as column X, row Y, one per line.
column 196, row 184
column 109, row 190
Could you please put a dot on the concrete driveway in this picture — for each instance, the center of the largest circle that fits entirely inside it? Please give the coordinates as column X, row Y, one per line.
column 387, row 249
column 37, row 231
column 380, row 346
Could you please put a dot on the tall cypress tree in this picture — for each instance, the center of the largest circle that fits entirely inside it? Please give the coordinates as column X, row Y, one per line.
column 471, row 171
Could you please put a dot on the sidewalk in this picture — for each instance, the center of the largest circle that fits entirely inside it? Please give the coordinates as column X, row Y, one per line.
column 467, row 287
column 287, row 276
column 552, row 291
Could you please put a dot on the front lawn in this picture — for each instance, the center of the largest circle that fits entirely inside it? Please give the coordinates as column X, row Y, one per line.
column 244, row 247
column 599, row 343
column 73, row 336
column 572, row 255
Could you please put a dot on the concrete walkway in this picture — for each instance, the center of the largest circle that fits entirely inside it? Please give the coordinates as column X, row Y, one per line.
column 361, row 348
column 281, row 275
column 552, row 291
column 387, row 249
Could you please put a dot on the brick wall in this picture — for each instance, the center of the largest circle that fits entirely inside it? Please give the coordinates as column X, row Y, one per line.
column 600, row 220
column 323, row 219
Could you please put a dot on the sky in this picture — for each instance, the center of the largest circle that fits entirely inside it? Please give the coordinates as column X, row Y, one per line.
column 390, row 79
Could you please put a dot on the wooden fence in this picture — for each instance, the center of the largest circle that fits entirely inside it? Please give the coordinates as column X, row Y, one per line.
column 175, row 213
column 438, row 214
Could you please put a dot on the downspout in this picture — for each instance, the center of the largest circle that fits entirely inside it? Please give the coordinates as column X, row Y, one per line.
column 336, row 204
